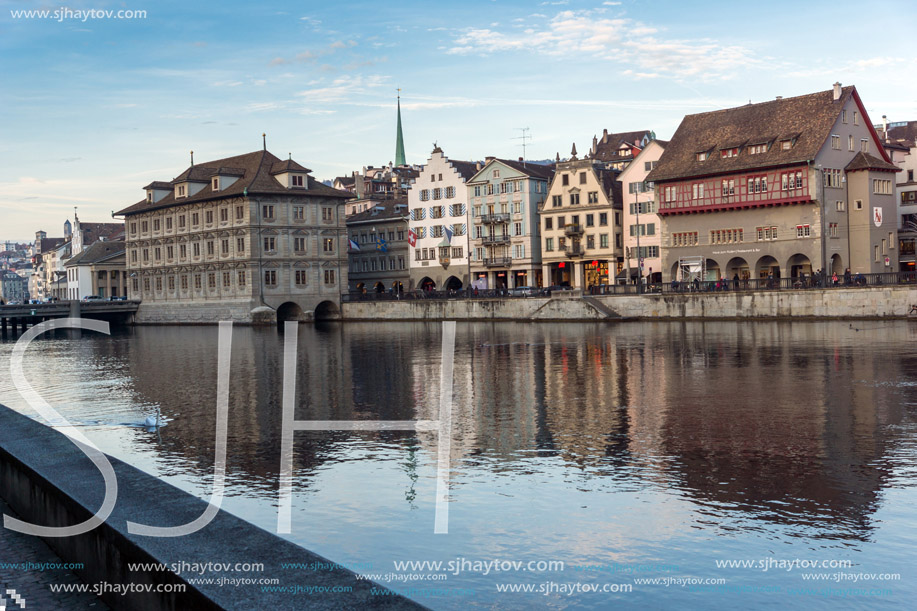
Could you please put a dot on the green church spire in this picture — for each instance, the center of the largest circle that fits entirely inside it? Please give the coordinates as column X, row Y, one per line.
column 399, row 142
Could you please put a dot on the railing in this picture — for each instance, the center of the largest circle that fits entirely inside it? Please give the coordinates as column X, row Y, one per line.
column 574, row 229
column 496, row 239
column 498, row 262
column 575, row 251
column 809, row 282
column 500, row 217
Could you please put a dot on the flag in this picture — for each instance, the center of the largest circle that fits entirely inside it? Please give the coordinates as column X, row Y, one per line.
column 448, row 235
column 412, row 238
column 354, row 245
column 381, row 245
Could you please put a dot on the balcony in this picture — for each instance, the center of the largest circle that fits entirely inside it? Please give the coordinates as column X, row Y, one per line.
column 575, row 250
column 490, row 219
column 574, row 229
column 496, row 239
column 499, row 262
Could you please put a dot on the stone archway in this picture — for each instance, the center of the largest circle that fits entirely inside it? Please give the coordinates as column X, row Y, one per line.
column 327, row 310
column 453, row 284
column 378, row 287
column 738, row 265
column 799, row 264
column 427, row 284
column 289, row 311
column 713, row 270
column 837, row 265
column 767, row 265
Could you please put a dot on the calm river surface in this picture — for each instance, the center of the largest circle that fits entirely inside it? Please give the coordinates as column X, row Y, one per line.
column 627, row 452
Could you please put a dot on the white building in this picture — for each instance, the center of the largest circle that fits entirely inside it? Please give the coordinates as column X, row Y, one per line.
column 437, row 202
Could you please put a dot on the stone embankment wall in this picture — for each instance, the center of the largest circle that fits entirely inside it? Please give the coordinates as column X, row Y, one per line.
column 878, row 302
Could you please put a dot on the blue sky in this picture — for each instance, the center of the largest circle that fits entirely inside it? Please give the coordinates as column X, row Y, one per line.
column 92, row 111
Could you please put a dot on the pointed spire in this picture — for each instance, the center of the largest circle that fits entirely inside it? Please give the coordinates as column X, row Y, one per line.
column 399, row 137
column 557, row 158
column 573, row 152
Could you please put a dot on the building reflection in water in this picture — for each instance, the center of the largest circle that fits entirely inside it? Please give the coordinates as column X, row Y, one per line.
column 774, row 422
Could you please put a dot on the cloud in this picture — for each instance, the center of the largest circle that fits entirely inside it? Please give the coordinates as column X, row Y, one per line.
column 312, row 55
column 342, row 89
column 633, row 45
column 611, row 4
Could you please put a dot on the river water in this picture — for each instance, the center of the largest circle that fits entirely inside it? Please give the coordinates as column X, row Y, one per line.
column 673, row 452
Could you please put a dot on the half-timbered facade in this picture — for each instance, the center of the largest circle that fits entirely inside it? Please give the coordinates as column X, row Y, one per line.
column 775, row 190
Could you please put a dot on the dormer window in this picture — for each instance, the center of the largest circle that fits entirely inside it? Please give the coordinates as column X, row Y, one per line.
column 733, row 152
column 786, row 145
column 215, row 184
column 149, row 196
column 702, row 156
column 757, row 149
column 180, row 191
column 296, row 180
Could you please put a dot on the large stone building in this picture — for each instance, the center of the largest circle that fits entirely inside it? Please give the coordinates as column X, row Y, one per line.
column 642, row 245
column 780, row 188
column 581, row 220
column 13, row 287
column 505, row 197
column 439, row 223
column 378, row 249
column 253, row 238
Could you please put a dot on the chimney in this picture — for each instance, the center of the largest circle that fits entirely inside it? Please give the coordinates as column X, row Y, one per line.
column 489, row 158
column 477, row 166
column 885, row 127
column 779, row 97
column 521, row 160
column 837, row 91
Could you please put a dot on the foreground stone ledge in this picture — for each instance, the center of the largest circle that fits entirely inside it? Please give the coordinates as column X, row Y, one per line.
column 48, row 481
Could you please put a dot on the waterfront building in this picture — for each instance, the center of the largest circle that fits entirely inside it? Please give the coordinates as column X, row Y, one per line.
column 13, row 287
column 505, row 197
column 439, row 223
column 375, row 184
column 99, row 269
column 642, row 244
column 378, row 250
column 900, row 142
column 251, row 237
column 777, row 189
column 42, row 272
column 581, row 224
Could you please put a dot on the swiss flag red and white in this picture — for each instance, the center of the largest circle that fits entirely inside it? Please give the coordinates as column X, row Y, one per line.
column 412, row 238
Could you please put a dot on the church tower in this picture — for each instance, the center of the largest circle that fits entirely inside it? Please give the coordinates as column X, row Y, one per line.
column 399, row 138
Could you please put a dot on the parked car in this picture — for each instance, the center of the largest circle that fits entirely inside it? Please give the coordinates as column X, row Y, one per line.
column 92, row 298
column 117, row 298
column 524, row 291
column 51, row 300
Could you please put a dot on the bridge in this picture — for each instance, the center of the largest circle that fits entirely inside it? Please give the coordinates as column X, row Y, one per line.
column 21, row 317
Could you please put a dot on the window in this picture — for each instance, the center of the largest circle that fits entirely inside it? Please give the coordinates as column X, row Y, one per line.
column 883, row 246
column 517, row 207
column 832, row 178
column 134, row 227
column 603, row 218
column 560, row 222
column 133, row 256
column 802, row 231
column 168, row 222
column 733, row 152
column 157, row 253
column 299, row 244
column 590, row 241
column 327, row 244
column 327, row 213
column 790, row 181
column 557, row 201
column 864, row 145
column 212, row 280
column 240, row 278
column 299, row 213
column 590, row 220
column 766, row 233
column 757, row 149
column 197, row 249
column 329, row 276
column 270, row 244
column 565, row 179
column 786, row 144
column 155, row 224
column 702, row 156
column 450, row 192
column 697, row 190
column 457, row 252
column 835, row 142
column 159, row 279
column 758, row 184
column 858, row 204
column 437, row 193
column 856, row 118
column 424, row 195
column 267, row 211
column 729, row 187
column 685, row 239
column 548, row 222
column 891, row 240
column 224, row 215
column 876, row 247
column 270, row 277
column 574, row 199
column 197, row 281
column 181, row 191
column 582, row 178
column 227, row 280
column 882, row 187
column 195, row 218
column 240, row 213
column 489, row 189
column 300, row 277
column 603, row 240
column 209, row 216
column 549, row 244
column 297, row 180
column 224, row 247
column 840, row 206
column 517, row 228
column 832, row 230
column 850, row 142
column 844, row 115
column 477, row 191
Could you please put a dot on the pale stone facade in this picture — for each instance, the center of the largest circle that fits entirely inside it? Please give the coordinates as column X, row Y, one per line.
column 248, row 234
column 642, row 227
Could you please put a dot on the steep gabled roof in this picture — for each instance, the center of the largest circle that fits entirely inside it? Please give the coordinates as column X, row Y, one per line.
column 466, row 169
column 256, row 179
column 805, row 120
column 606, row 149
column 904, row 135
column 535, row 170
column 384, row 210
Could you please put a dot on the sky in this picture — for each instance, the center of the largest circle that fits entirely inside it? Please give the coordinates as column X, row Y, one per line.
column 92, row 110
